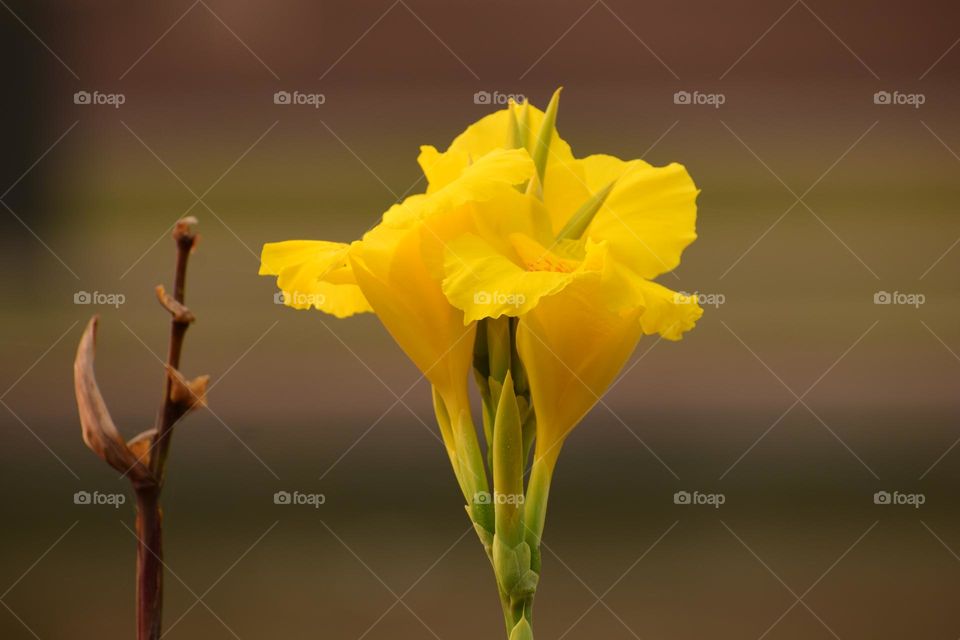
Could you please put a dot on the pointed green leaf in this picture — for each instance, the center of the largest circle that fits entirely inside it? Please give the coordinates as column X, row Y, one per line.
column 542, row 150
column 521, row 631
column 508, row 466
column 517, row 139
column 579, row 221
column 498, row 346
column 473, row 470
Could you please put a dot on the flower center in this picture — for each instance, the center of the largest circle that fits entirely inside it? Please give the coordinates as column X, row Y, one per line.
column 535, row 257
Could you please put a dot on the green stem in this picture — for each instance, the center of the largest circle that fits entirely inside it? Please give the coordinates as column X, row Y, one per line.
column 519, row 614
column 507, row 610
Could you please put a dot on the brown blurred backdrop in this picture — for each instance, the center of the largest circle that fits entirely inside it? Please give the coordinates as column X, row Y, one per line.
column 797, row 398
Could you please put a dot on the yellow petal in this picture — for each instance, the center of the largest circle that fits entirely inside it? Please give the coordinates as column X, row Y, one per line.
column 441, row 169
column 487, row 284
column 482, row 180
column 649, row 217
column 495, row 131
column 665, row 312
column 314, row 273
column 572, row 347
column 390, row 270
column 566, row 191
column 498, row 258
column 495, row 220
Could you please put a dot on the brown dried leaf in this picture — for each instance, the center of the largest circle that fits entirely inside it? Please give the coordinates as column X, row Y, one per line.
column 141, row 446
column 191, row 394
column 99, row 432
column 177, row 309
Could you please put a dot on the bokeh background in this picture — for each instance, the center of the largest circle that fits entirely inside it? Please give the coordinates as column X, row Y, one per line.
column 797, row 398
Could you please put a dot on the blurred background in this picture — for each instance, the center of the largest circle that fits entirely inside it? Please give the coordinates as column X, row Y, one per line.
column 797, row 397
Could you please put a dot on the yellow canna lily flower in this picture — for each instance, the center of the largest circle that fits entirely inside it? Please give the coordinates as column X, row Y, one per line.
column 508, row 270
column 387, row 272
column 575, row 269
column 628, row 219
column 532, row 268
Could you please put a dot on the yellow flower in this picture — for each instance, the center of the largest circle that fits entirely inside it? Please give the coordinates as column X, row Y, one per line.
column 389, row 272
column 386, row 271
column 575, row 268
column 512, row 224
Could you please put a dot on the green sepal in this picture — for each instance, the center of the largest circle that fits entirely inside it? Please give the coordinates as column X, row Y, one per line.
column 495, row 388
column 542, row 150
column 520, row 383
column 522, row 630
column 481, row 357
column 512, row 564
column 498, row 346
column 522, row 130
column 533, row 188
column 579, row 221
column 486, row 411
column 486, row 537
column 517, row 137
column 473, row 471
column 508, row 465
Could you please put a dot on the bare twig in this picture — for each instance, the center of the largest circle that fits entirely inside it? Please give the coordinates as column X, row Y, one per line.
column 143, row 458
column 171, row 410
